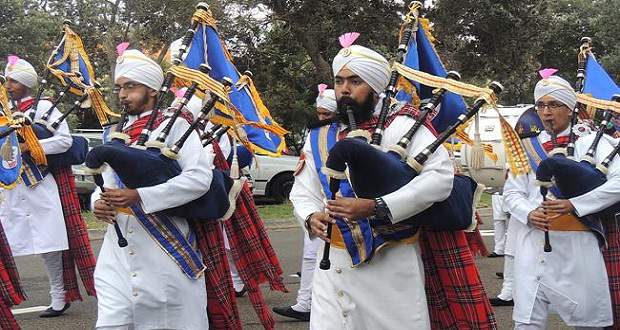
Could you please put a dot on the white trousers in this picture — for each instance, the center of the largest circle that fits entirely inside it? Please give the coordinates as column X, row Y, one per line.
column 236, row 279
column 53, row 264
column 308, row 264
column 500, row 225
column 508, row 284
column 540, row 314
column 500, row 228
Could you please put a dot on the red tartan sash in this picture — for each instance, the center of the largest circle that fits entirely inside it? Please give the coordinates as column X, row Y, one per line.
column 562, row 141
column 10, row 290
column 25, row 105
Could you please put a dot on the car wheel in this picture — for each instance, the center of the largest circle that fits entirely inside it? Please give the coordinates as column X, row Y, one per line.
column 280, row 187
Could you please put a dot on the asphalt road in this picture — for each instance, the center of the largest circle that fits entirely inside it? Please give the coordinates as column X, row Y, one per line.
column 287, row 240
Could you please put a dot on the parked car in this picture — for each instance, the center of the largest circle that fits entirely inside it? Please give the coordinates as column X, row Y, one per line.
column 272, row 177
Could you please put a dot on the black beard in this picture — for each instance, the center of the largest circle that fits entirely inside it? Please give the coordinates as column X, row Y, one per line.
column 361, row 112
column 135, row 111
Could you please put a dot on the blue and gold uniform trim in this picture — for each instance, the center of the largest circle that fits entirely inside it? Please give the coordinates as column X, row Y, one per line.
column 180, row 248
column 31, row 173
column 169, row 238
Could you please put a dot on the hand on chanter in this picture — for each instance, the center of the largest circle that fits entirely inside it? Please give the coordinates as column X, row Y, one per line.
column 351, row 208
column 318, row 225
column 121, row 197
column 104, row 212
column 539, row 219
column 558, row 206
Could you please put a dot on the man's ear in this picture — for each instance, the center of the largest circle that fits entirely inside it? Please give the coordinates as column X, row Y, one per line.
column 153, row 93
column 375, row 97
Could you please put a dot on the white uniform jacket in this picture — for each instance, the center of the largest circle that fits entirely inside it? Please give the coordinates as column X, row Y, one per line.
column 573, row 276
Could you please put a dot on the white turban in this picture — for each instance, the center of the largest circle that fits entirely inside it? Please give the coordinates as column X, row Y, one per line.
column 369, row 65
column 327, row 100
column 21, row 71
column 557, row 88
column 135, row 66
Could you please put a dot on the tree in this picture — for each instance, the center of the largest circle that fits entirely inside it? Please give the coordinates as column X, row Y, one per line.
column 492, row 40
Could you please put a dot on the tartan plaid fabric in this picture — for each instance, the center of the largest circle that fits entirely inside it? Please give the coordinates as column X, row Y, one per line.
column 251, row 249
column 612, row 261
column 221, row 301
column 10, row 290
column 454, row 293
column 474, row 240
column 80, row 253
column 7, row 320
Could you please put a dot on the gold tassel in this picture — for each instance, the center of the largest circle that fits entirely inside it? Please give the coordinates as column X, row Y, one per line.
column 515, row 155
column 477, row 153
column 31, row 140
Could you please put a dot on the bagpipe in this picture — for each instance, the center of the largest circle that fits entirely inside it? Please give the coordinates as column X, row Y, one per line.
column 374, row 173
column 573, row 177
column 69, row 63
column 158, row 161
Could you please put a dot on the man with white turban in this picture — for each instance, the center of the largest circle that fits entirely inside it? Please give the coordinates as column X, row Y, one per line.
column 386, row 292
column 31, row 212
column 326, row 106
column 142, row 286
column 571, row 280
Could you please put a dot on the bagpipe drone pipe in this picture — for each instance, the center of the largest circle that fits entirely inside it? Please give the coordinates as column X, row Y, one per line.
column 374, row 173
column 575, row 178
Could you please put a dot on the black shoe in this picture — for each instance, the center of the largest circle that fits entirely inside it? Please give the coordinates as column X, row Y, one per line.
column 499, row 275
column 289, row 312
column 50, row 312
column 298, row 274
column 495, row 255
column 241, row 293
column 501, row 302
